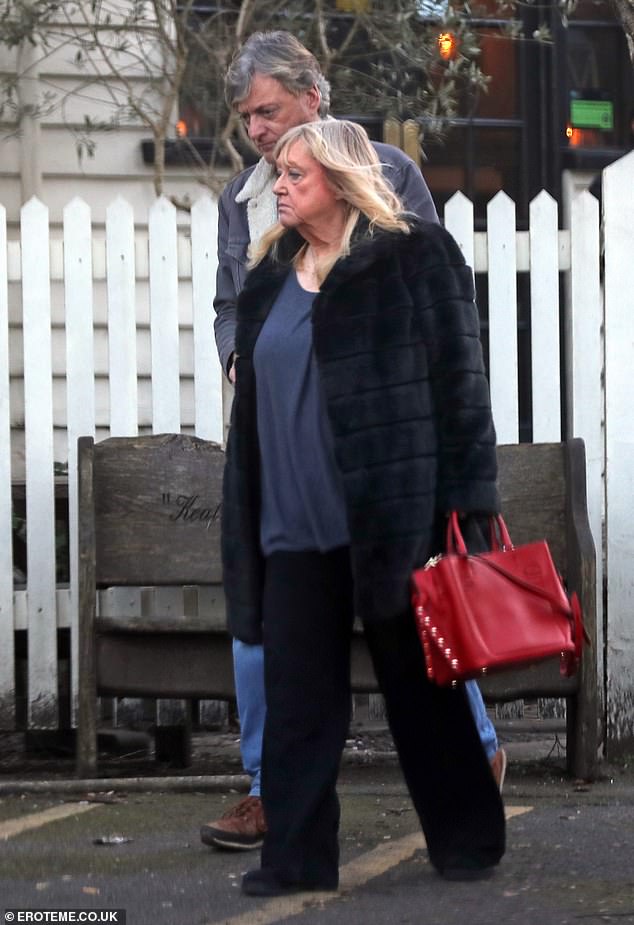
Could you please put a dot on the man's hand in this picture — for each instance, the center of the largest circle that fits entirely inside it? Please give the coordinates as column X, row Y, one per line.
column 232, row 370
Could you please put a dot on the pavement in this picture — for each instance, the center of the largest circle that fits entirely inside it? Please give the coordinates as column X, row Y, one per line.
column 129, row 841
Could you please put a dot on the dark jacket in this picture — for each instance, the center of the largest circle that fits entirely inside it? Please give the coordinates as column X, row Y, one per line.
column 396, row 339
column 233, row 235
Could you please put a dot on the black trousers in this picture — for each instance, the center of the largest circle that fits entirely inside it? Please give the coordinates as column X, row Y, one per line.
column 307, row 624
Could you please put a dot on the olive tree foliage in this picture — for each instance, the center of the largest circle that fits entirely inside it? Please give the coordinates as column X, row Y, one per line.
column 144, row 61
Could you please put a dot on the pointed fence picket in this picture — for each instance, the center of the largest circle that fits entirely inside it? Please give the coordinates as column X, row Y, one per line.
column 544, row 283
column 137, row 317
column 503, row 358
column 122, row 337
column 166, row 412
column 208, row 382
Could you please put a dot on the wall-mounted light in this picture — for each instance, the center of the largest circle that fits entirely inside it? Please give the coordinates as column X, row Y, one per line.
column 447, row 45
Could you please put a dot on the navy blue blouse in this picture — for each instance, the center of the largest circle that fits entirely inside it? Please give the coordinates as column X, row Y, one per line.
column 302, row 492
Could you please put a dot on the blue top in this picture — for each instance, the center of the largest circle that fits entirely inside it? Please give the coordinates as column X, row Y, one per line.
column 302, row 490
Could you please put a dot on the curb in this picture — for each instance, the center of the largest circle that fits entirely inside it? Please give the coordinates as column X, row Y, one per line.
column 208, row 783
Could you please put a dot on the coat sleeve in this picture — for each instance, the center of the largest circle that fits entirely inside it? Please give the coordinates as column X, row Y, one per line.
column 225, row 298
column 412, row 190
column 442, row 289
column 407, row 181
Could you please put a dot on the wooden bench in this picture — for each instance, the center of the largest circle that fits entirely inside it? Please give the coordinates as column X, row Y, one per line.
column 149, row 517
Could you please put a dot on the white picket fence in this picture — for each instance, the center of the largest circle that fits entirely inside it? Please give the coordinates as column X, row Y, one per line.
column 109, row 333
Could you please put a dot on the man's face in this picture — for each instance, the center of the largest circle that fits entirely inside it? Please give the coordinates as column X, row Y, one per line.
column 270, row 110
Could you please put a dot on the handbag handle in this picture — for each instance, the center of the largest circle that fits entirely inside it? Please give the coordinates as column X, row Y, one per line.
column 500, row 536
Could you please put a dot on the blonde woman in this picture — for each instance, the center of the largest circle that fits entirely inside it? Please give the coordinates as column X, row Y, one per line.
column 361, row 417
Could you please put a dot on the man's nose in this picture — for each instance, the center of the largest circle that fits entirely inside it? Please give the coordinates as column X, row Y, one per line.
column 255, row 128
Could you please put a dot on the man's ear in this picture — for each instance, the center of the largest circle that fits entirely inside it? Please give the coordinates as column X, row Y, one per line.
column 313, row 97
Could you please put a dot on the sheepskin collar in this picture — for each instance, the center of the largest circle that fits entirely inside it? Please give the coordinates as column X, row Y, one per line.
column 261, row 201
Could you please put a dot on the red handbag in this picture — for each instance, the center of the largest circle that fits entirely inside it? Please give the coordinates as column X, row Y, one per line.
column 495, row 610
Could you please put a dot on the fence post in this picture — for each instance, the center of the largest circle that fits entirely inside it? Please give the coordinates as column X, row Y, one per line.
column 166, row 413
column 618, row 204
column 584, row 372
column 40, row 491
column 80, row 381
column 7, row 648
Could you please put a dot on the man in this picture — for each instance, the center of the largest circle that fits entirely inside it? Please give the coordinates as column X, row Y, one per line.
column 275, row 83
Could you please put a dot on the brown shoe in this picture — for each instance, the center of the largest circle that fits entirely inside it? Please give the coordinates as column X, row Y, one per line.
column 241, row 828
column 498, row 767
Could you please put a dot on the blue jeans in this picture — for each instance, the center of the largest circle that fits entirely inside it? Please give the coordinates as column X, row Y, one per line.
column 486, row 729
column 248, row 670
column 248, row 667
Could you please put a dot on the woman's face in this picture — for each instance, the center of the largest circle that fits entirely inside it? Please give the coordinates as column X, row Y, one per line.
column 305, row 198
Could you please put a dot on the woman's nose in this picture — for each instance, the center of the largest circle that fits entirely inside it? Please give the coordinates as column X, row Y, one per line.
column 277, row 186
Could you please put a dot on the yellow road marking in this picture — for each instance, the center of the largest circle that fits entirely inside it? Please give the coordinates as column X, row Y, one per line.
column 13, row 827
column 369, row 865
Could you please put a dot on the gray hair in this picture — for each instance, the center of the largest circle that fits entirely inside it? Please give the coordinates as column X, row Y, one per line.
column 280, row 55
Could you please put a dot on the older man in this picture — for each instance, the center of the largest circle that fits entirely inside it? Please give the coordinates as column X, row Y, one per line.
column 275, row 83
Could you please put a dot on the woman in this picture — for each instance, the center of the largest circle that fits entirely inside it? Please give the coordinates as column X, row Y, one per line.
column 361, row 417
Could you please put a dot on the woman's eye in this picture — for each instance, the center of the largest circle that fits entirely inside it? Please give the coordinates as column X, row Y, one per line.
column 294, row 175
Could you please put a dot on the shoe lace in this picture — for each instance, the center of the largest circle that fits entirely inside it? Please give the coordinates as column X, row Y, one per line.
column 249, row 806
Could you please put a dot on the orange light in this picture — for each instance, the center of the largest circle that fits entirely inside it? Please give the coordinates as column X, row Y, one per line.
column 447, row 45
column 574, row 136
column 181, row 128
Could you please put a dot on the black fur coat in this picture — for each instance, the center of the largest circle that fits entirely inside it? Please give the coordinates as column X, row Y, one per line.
column 396, row 339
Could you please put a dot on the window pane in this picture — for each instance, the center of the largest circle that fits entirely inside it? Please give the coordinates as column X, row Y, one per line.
column 600, row 88
column 498, row 61
column 479, row 162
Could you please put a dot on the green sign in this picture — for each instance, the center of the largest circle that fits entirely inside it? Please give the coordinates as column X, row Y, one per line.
column 592, row 114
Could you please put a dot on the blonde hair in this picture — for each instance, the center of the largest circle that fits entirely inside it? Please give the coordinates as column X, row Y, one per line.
column 353, row 169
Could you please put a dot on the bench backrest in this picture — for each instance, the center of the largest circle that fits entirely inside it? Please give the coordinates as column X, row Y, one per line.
column 154, row 504
column 543, row 490
column 532, row 482
column 149, row 509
